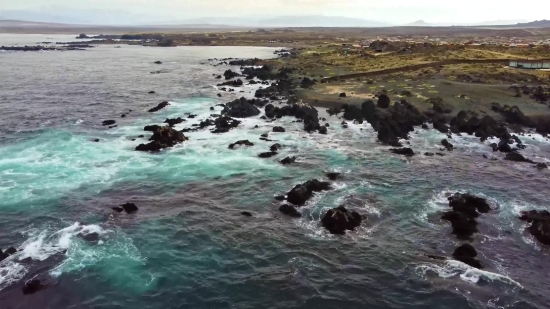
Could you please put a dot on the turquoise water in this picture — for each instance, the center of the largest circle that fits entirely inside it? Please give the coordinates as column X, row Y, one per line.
column 188, row 246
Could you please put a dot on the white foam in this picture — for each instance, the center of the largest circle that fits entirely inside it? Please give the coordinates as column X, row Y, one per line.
column 453, row 268
column 40, row 245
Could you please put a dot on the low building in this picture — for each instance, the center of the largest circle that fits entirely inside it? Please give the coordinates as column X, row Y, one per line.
column 530, row 64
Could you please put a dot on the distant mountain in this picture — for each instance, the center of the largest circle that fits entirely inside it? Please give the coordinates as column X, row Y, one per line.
column 419, row 23
column 319, row 21
column 535, row 24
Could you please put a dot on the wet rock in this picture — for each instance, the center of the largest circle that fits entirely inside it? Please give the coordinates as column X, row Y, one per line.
column 333, row 175
column 290, row 211
column 429, row 154
column 342, row 95
column 425, row 126
column 469, row 204
column 246, row 214
column 334, row 110
column 233, row 83
column 403, row 151
column 129, row 207
column 92, row 237
column 517, row 157
column 268, row 154
column 95, row 140
column 303, row 192
column 117, row 209
column 353, row 113
column 323, row 130
column 466, row 254
column 240, row 143
column 224, row 124
column 338, row 220
column 32, row 286
column 230, row 74
column 158, row 62
column 280, row 198
column 172, row 122
column 219, row 95
column 152, row 92
column 108, row 122
column 279, row 129
column 464, row 226
column 447, row 145
column 288, row 160
column 275, row 147
column 163, row 137
column 539, row 224
column 383, row 101
column 541, row 166
column 123, row 116
column 151, row 128
column 242, row 108
column 440, row 126
column 159, row 107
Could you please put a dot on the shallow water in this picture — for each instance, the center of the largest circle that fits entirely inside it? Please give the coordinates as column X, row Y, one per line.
column 189, row 247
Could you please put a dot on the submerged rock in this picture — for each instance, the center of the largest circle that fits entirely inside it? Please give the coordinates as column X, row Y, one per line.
column 539, row 224
column 246, row 214
column 332, row 175
column 290, row 211
column 279, row 129
column 275, row 147
column 447, row 145
column 241, row 143
column 129, row 207
column 32, row 286
column 108, row 122
column 159, row 107
column 338, row 220
column 303, row 192
column 163, row 137
column 288, row 160
column 517, row 157
column 403, row 151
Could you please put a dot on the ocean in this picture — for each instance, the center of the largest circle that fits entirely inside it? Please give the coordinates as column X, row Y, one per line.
column 188, row 246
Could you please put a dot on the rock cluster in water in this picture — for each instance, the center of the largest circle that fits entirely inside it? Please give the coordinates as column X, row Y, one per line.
column 163, row 137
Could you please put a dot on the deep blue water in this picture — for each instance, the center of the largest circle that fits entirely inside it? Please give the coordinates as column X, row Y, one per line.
column 188, row 246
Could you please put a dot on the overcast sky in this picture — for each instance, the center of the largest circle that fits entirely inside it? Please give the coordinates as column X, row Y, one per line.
column 392, row 11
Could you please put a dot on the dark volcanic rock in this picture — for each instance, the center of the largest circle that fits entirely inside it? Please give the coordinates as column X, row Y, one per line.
column 542, row 166
column 108, row 122
column 332, row 175
column 267, row 154
column 338, row 220
column 447, row 145
column 342, row 95
column 275, row 147
column 334, row 110
column 246, row 214
column 279, row 129
column 539, row 224
column 403, row 151
column 303, row 192
column 163, row 137
column 383, row 101
column 466, row 208
column 241, row 143
column 159, row 107
column 230, row 74
column 129, row 207
column 290, row 211
column 173, row 121
column 242, row 108
column 323, row 130
column 517, row 157
column 288, row 160
column 233, row 83
column 466, row 254
column 469, row 204
column 224, row 124
column 513, row 115
column 151, row 128
column 32, row 286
